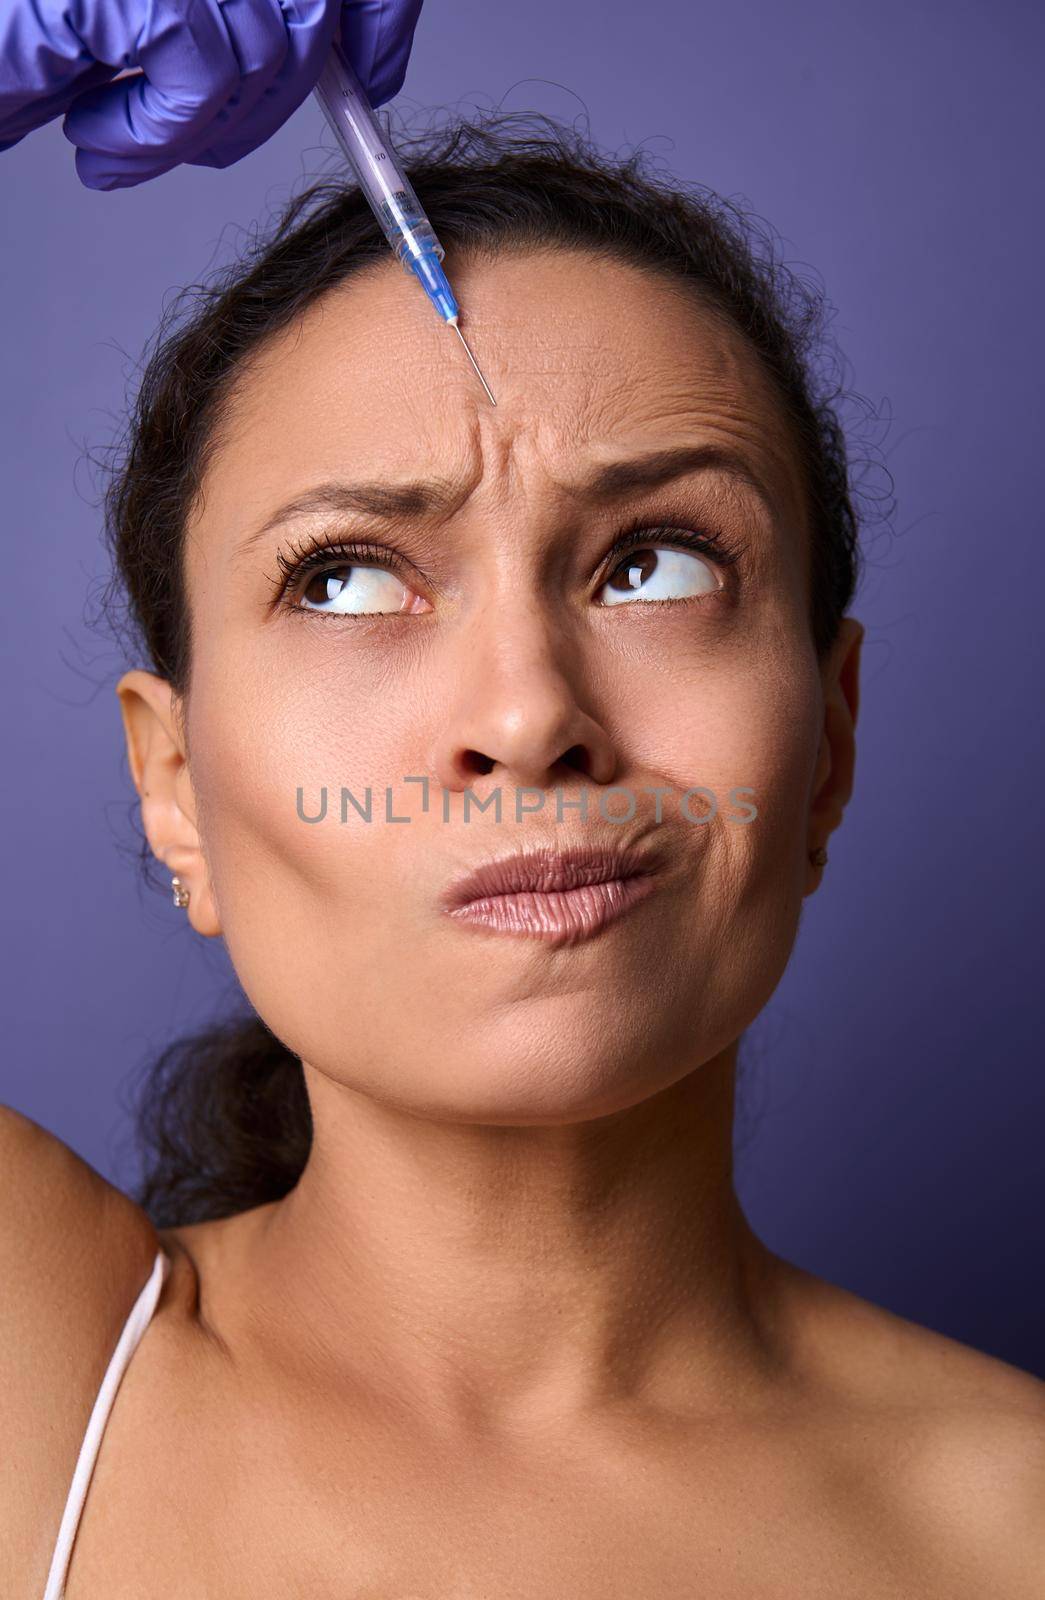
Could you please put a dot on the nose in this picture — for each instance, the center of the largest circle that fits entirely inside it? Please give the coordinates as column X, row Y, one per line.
column 516, row 712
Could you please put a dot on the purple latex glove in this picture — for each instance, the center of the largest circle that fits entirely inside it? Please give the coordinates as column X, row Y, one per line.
column 218, row 76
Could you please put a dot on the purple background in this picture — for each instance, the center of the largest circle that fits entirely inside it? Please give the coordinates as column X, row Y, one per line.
column 896, row 1105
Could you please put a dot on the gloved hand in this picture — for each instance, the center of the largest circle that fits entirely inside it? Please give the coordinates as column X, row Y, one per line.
column 220, row 76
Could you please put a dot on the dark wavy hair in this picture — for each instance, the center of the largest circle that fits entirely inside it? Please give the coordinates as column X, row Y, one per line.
column 223, row 1118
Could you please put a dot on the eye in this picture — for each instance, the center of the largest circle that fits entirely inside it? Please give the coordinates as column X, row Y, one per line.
column 355, row 591
column 345, row 580
column 654, row 571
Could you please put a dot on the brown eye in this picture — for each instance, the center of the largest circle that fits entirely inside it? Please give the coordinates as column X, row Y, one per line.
column 345, row 590
column 654, row 573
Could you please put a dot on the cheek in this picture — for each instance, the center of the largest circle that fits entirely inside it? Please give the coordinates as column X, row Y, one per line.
column 264, row 727
column 732, row 708
column 287, row 889
column 734, row 719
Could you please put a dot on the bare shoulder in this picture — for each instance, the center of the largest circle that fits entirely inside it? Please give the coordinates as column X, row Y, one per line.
column 955, row 1437
column 74, row 1254
column 69, row 1240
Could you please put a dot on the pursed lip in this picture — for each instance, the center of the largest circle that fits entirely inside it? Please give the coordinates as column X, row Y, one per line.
column 548, row 870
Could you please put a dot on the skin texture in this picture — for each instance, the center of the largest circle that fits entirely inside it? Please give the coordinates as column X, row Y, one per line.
column 511, row 1333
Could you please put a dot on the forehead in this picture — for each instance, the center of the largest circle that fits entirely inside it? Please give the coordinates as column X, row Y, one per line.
column 585, row 356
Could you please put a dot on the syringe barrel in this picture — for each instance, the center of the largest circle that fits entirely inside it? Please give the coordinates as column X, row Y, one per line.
column 389, row 192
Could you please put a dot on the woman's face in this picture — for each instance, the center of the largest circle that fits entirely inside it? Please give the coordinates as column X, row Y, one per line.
column 502, row 646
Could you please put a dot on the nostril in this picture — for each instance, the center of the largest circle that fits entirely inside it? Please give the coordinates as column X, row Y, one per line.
column 475, row 764
column 578, row 757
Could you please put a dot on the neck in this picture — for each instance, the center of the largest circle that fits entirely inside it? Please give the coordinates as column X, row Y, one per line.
column 514, row 1278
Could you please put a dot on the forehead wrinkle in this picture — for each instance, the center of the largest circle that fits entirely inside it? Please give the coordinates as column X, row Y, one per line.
column 572, row 445
column 622, row 386
column 748, row 411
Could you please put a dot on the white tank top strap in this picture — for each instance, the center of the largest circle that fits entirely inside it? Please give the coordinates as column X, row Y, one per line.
column 137, row 1321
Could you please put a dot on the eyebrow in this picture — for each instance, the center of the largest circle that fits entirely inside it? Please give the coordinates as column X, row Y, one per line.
column 392, row 502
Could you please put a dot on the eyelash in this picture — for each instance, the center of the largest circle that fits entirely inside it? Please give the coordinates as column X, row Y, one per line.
column 311, row 556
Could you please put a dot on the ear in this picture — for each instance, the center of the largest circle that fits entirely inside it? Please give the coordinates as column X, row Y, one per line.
column 836, row 757
column 152, row 722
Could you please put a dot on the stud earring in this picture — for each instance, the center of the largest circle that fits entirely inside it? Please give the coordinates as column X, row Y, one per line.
column 181, row 894
column 818, row 857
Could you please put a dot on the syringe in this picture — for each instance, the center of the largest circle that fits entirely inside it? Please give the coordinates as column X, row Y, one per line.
column 391, row 197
